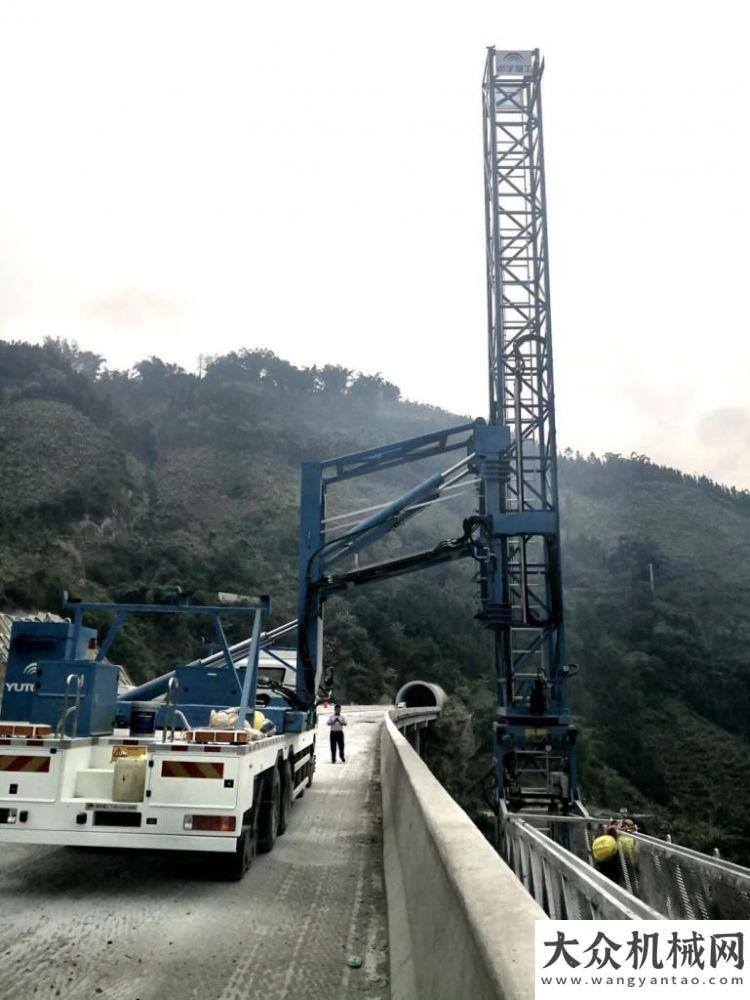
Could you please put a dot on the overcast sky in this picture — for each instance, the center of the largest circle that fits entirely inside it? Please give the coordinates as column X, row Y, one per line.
column 186, row 178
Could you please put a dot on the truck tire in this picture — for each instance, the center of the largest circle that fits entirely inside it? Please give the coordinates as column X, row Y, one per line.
column 234, row 866
column 286, row 796
column 311, row 769
column 270, row 807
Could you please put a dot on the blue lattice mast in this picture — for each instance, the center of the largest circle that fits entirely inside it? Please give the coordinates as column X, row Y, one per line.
column 521, row 580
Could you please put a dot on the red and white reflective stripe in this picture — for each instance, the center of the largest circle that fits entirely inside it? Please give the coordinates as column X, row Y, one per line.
column 25, row 729
column 24, row 762
column 191, row 769
column 216, row 736
column 199, row 748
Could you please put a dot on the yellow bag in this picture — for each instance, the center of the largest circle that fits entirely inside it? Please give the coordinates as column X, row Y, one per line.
column 628, row 847
column 604, row 848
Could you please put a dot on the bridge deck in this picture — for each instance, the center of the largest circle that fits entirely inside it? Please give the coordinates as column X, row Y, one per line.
column 145, row 926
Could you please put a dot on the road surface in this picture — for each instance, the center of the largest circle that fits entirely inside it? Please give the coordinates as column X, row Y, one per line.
column 132, row 925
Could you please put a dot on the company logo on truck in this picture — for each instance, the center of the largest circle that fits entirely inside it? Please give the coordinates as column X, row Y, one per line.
column 23, row 687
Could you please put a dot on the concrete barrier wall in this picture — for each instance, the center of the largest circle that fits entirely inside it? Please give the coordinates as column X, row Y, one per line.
column 460, row 923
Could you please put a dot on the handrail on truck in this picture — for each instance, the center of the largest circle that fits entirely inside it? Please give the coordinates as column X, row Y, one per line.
column 169, row 704
column 70, row 709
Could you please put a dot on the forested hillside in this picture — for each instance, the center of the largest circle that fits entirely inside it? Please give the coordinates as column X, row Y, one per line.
column 126, row 484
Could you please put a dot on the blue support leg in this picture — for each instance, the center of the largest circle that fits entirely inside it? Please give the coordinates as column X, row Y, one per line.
column 310, row 604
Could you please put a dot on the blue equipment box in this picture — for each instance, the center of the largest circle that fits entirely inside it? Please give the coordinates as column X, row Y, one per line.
column 202, row 688
column 32, row 644
column 98, row 697
column 199, row 690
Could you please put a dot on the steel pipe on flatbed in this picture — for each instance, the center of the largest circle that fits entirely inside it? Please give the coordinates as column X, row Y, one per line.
column 158, row 685
column 266, row 639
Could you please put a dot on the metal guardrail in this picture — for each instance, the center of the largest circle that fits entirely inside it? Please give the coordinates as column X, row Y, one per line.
column 648, row 879
column 409, row 721
column 684, row 884
column 402, row 718
column 566, row 887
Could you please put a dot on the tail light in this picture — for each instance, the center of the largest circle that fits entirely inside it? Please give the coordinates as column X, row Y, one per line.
column 218, row 824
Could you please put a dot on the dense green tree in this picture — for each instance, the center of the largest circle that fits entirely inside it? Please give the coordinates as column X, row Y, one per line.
column 125, row 485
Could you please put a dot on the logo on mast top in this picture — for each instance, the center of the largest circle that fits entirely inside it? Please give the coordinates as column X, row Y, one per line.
column 514, row 62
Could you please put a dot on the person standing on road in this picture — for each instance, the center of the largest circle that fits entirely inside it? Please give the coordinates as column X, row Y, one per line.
column 337, row 723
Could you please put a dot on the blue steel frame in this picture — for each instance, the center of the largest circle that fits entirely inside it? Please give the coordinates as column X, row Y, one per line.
column 253, row 609
column 318, row 552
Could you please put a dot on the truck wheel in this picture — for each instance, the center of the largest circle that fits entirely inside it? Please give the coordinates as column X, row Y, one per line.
column 270, row 806
column 286, row 796
column 234, row 866
column 310, row 770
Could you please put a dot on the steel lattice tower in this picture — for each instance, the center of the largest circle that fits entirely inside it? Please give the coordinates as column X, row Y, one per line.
column 521, row 582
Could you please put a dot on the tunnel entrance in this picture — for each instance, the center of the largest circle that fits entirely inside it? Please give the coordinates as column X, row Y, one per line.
column 420, row 694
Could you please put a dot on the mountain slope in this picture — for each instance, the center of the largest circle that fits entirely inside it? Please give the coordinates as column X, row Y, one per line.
column 123, row 485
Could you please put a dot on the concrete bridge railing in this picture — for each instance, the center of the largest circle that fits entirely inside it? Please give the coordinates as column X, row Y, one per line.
column 460, row 923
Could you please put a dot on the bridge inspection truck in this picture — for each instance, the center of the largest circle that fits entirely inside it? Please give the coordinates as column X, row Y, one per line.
column 208, row 757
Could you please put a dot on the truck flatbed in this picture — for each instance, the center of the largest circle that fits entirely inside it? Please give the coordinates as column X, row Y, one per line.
column 195, row 796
